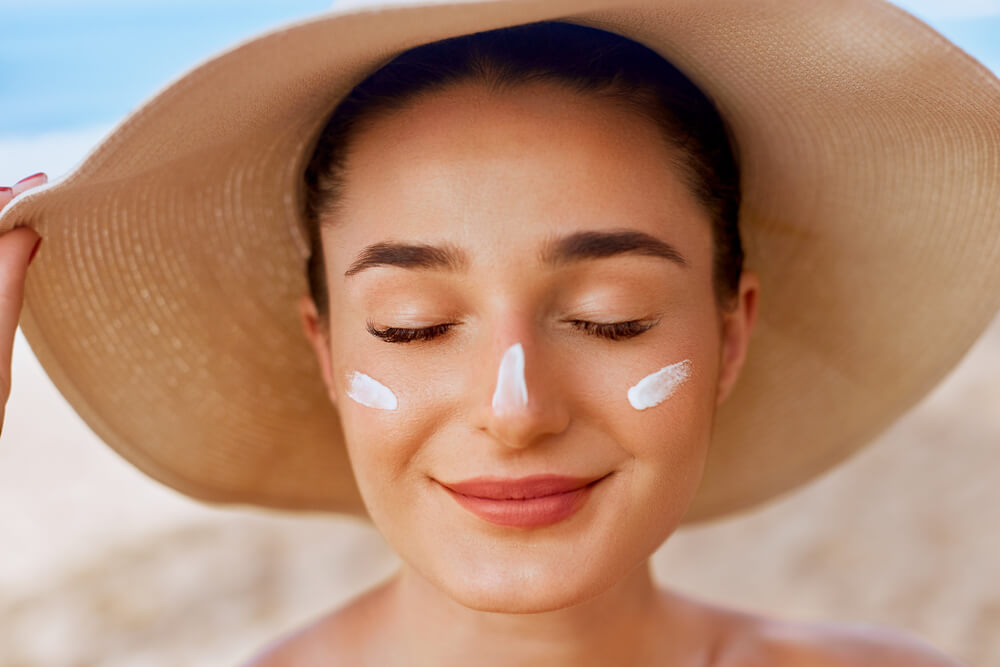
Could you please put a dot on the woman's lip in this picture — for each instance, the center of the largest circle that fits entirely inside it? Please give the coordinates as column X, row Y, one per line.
column 534, row 486
column 537, row 505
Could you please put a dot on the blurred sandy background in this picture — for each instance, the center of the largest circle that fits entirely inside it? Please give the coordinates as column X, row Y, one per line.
column 101, row 566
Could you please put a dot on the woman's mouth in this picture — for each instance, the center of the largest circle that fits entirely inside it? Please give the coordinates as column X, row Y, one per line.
column 526, row 502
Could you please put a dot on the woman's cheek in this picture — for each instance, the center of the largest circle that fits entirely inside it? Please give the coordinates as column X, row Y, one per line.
column 372, row 405
column 663, row 401
column 671, row 391
column 659, row 385
column 387, row 416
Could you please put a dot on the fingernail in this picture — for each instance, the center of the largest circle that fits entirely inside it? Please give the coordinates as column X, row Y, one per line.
column 28, row 178
column 34, row 250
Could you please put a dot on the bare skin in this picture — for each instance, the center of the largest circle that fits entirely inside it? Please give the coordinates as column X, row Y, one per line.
column 15, row 249
column 678, row 630
column 515, row 170
column 675, row 629
column 664, row 628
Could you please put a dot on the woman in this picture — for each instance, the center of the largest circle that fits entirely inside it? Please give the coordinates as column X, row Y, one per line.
column 529, row 307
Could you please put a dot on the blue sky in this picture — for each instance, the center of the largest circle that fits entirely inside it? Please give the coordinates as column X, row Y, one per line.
column 70, row 70
column 70, row 64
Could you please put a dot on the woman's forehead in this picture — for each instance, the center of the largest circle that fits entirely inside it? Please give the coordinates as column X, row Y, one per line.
column 469, row 121
column 535, row 161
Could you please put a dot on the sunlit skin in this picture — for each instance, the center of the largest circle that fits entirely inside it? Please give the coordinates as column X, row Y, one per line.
column 498, row 177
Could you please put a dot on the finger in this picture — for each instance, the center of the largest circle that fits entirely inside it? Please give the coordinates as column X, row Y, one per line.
column 15, row 249
column 29, row 182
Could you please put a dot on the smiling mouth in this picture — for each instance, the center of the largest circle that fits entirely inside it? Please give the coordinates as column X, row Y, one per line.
column 528, row 502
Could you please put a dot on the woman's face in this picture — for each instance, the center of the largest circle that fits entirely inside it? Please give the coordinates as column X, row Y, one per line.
column 515, row 232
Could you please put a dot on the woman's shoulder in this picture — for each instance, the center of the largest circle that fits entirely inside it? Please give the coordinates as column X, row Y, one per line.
column 331, row 640
column 832, row 645
column 738, row 639
column 750, row 640
column 311, row 645
column 301, row 648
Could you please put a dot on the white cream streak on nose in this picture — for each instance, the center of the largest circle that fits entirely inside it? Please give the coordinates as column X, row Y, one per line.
column 370, row 392
column 657, row 387
column 511, row 391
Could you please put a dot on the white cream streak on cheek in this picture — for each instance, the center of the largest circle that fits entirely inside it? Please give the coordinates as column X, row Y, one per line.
column 657, row 387
column 511, row 391
column 370, row 392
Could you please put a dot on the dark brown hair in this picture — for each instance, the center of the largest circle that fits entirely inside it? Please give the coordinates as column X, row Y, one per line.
column 584, row 59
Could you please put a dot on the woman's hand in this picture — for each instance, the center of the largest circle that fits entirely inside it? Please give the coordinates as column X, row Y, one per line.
column 16, row 249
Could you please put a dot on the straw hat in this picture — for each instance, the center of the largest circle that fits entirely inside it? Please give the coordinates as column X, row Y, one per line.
column 164, row 305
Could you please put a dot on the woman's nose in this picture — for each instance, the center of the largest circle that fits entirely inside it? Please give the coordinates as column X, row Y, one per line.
column 525, row 406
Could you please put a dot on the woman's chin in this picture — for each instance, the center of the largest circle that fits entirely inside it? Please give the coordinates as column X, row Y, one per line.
column 510, row 600
column 522, row 588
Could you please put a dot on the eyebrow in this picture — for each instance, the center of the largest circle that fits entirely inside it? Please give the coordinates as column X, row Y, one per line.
column 574, row 247
column 409, row 256
column 598, row 244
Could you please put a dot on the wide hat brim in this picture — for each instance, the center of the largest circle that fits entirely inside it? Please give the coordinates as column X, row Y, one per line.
column 163, row 305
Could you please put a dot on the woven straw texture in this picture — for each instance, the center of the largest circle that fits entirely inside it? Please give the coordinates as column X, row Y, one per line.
column 163, row 306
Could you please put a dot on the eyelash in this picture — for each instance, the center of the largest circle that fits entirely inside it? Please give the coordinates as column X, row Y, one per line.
column 611, row 331
column 398, row 335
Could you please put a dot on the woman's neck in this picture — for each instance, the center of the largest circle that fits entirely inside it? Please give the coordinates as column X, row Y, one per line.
column 418, row 624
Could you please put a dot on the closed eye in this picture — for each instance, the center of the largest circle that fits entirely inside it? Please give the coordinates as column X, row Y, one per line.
column 609, row 330
column 614, row 330
column 401, row 335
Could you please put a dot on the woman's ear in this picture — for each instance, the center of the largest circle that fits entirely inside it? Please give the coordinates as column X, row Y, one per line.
column 319, row 338
column 737, row 325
